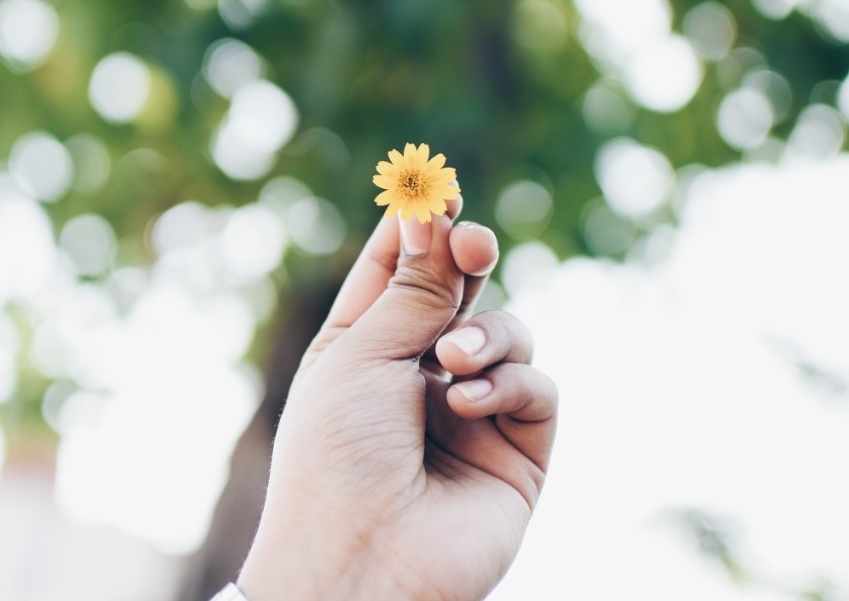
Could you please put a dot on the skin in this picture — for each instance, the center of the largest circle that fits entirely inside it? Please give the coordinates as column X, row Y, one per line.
column 390, row 479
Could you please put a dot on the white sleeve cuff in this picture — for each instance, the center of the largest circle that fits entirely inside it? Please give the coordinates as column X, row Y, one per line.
column 229, row 593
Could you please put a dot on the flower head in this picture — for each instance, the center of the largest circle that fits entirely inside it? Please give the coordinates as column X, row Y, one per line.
column 414, row 185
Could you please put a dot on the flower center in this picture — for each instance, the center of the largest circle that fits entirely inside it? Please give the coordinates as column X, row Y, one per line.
column 411, row 183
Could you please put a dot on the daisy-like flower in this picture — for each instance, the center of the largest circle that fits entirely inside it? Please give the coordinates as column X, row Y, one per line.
column 414, row 185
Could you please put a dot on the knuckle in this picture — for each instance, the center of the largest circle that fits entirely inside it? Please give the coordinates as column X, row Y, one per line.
column 433, row 288
column 508, row 333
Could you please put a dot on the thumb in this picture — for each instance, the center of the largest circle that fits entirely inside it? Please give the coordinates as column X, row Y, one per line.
column 420, row 299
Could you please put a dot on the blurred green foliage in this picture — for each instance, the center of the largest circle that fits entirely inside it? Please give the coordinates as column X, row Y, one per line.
column 375, row 74
column 492, row 85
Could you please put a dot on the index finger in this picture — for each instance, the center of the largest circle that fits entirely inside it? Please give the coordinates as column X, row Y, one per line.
column 368, row 277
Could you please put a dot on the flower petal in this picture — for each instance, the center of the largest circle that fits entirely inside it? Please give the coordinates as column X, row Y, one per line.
column 425, row 194
column 444, row 176
column 396, row 157
column 436, row 163
column 447, row 192
column 385, row 168
column 423, row 214
column 386, row 197
column 422, row 153
column 384, row 181
column 437, row 207
column 406, row 211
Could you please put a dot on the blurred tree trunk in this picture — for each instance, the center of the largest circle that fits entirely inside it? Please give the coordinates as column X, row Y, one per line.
column 237, row 514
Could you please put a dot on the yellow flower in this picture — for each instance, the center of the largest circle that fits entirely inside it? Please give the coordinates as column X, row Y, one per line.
column 415, row 185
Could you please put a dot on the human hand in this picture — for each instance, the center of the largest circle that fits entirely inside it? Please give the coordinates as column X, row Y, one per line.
column 408, row 460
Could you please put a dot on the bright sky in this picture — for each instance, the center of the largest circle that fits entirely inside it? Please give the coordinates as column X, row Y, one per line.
column 681, row 389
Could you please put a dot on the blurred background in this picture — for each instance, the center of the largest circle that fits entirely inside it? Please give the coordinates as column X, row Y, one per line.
column 183, row 184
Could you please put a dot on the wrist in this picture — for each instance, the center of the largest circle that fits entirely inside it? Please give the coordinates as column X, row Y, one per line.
column 308, row 585
column 298, row 575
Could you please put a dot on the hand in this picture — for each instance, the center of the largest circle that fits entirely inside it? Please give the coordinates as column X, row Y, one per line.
column 415, row 439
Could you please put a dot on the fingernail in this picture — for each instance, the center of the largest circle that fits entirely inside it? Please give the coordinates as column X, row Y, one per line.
column 469, row 339
column 415, row 236
column 455, row 207
column 486, row 270
column 493, row 242
column 474, row 390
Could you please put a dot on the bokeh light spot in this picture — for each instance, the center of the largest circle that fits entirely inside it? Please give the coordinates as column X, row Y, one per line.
column 237, row 158
column 230, row 64
column 843, row 98
column 90, row 242
column 819, row 133
column 263, row 115
column 775, row 9
column 613, row 29
column 539, row 25
column 605, row 232
column 28, row 32
column 76, row 315
column 711, row 29
column 238, row 14
column 281, row 192
column 655, row 249
column 739, row 62
column 92, row 164
column 252, row 243
column 774, row 87
column 744, row 118
column 194, row 267
column 635, row 179
column 41, row 166
column 26, row 243
column 316, row 225
column 833, row 16
column 53, row 403
column 525, row 264
column 181, row 225
column 119, row 87
column 664, row 75
column 632, row 40
column 126, row 285
column 524, row 209
column 606, row 111
column 261, row 120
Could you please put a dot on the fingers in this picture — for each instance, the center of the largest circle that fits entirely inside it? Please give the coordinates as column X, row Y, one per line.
column 368, row 277
column 493, row 350
column 475, row 249
column 454, row 207
column 483, row 340
column 523, row 400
